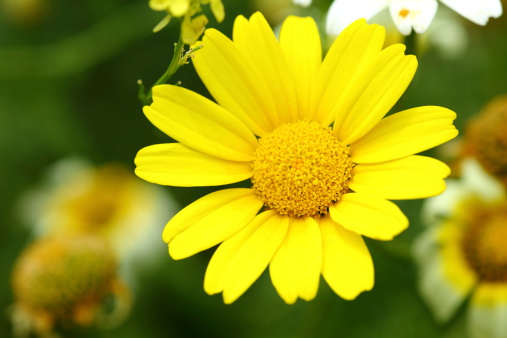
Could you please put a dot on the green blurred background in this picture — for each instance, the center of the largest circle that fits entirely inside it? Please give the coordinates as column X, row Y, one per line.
column 68, row 73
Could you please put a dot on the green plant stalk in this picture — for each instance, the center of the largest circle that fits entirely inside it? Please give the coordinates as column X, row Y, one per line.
column 173, row 67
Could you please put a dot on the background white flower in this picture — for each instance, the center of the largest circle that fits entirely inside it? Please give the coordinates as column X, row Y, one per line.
column 408, row 14
column 303, row 3
column 457, row 262
column 76, row 197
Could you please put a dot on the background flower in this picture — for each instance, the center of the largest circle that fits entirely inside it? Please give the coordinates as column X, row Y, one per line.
column 109, row 201
column 304, row 3
column 463, row 252
column 485, row 138
column 408, row 14
column 66, row 280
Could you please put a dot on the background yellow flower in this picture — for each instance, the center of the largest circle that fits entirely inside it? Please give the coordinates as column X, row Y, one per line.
column 463, row 255
column 78, row 198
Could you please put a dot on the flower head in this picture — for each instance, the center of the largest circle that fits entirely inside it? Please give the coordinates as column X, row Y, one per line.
column 77, row 198
column 463, row 252
column 486, row 140
column 65, row 280
column 322, row 187
column 408, row 14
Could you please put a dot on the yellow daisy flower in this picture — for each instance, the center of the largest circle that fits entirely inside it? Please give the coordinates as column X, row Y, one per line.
column 463, row 252
column 322, row 188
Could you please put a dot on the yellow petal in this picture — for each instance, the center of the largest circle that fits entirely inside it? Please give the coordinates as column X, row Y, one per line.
column 192, row 28
column 177, row 165
column 296, row 266
column 346, row 262
column 209, row 221
column 405, row 133
column 232, row 80
column 241, row 259
column 178, row 8
column 200, row 124
column 406, row 178
column 490, row 295
column 159, row 5
column 373, row 93
column 445, row 277
column 257, row 40
column 369, row 216
column 488, row 310
column 164, row 22
column 354, row 49
column 217, row 8
column 455, row 268
column 300, row 43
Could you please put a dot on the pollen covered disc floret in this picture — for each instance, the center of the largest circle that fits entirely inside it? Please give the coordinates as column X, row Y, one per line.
column 300, row 169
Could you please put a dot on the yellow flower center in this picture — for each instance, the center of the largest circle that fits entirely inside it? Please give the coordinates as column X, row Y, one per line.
column 60, row 275
column 404, row 13
column 300, row 169
column 101, row 202
column 485, row 243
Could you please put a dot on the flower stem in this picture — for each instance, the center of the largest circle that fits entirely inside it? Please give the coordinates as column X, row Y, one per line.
column 179, row 59
column 411, row 43
column 173, row 67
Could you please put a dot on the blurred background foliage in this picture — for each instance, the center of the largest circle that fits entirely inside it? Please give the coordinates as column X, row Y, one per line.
column 68, row 73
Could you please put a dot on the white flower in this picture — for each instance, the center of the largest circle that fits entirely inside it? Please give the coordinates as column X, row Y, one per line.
column 109, row 201
column 463, row 255
column 408, row 14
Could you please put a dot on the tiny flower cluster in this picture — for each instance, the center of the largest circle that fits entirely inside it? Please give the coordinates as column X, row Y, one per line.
column 192, row 26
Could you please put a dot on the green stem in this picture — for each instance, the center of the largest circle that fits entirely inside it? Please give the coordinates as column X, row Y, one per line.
column 173, row 67
column 411, row 43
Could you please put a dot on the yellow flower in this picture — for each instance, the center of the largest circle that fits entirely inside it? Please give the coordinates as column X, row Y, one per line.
column 66, row 280
column 192, row 27
column 463, row 252
column 322, row 188
column 486, row 140
column 108, row 201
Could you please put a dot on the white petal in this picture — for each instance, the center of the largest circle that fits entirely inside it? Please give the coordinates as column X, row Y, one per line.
column 343, row 12
column 487, row 315
column 479, row 182
column 416, row 14
column 302, row 3
column 448, row 34
column 474, row 182
column 478, row 11
column 443, row 205
column 444, row 280
column 440, row 295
